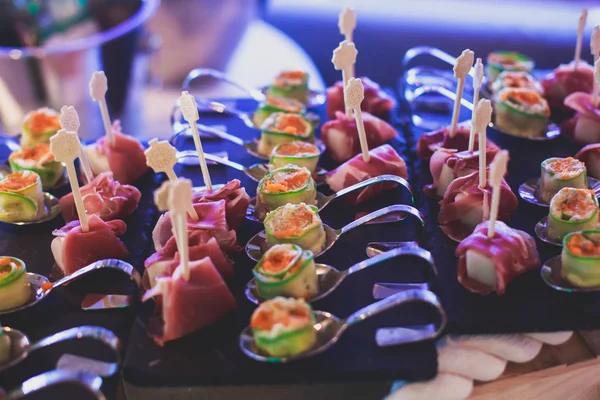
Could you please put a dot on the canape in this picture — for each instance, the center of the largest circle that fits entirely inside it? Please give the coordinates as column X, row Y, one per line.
column 281, row 128
column 302, row 154
column 40, row 160
column 565, row 80
column 584, row 126
column 275, row 104
column 515, row 80
column 499, row 61
column 558, row 173
column 14, row 286
column 289, row 184
column 580, row 258
column 522, row 112
column 376, row 102
column 39, row 126
column 296, row 224
column 284, row 327
column 572, row 210
column 21, row 197
column 292, row 84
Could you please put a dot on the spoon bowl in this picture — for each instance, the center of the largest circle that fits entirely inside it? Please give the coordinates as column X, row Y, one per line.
column 51, row 211
column 541, row 230
column 87, row 381
column 530, row 191
column 551, row 276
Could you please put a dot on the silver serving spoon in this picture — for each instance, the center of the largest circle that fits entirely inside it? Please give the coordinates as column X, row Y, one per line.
column 551, row 276
column 189, row 158
column 257, row 245
column 322, row 200
column 530, row 191
column 36, row 281
column 376, row 248
column 91, row 383
column 329, row 328
column 21, row 346
column 51, row 211
column 330, row 278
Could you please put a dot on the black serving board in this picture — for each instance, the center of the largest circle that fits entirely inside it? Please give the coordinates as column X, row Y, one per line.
column 528, row 304
column 212, row 356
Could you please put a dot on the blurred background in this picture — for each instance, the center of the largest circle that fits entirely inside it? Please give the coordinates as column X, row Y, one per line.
column 49, row 48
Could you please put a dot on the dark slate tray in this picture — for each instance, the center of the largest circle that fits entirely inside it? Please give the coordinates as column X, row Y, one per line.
column 528, row 304
column 212, row 355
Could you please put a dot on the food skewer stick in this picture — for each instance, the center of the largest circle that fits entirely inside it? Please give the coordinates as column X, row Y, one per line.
column 66, row 147
column 354, row 94
column 483, row 116
column 162, row 157
column 580, row 28
column 347, row 24
column 497, row 172
column 98, row 89
column 69, row 120
column 344, row 57
column 187, row 103
column 463, row 65
column 595, row 43
column 596, row 83
column 477, row 82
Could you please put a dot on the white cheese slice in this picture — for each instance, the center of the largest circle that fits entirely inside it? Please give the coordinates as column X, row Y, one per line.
column 472, row 218
column 445, row 179
column 587, row 131
column 57, row 246
column 480, row 268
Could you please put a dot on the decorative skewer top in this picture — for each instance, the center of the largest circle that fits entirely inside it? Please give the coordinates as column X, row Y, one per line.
column 354, row 94
column 347, row 22
column 483, row 115
column 582, row 21
column 498, row 168
column 161, row 196
column 188, row 107
column 98, row 86
column 463, row 64
column 595, row 41
column 65, row 146
column 478, row 74
column 69, row 119
column 344, row 56
column 161, row 156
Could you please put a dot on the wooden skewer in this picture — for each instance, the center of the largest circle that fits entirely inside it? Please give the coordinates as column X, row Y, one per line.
column 477, row 82
column 580, row 28
column 497, row 172
column 347, row 24
column 354, row 95
column 482, row 119
column 344, row 57
column 98, row 89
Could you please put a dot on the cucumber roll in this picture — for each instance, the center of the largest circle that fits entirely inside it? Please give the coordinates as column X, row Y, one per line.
column 580, row 258
column 296, row 224
column 522, row 112
column 302, row 154
column 284, row 327
column 21, row 197
column 40, row 160
column 283, row 128
column 289, row 184
column 499, row 61
column 277, row 104
column 292, row 84
column 558, row 173
column 14, row 285
column 515, row 79
column 287, row 270
column 39, row 126
column 572, row 210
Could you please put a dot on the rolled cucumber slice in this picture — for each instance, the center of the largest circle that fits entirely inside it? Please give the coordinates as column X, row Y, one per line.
column 15, row 208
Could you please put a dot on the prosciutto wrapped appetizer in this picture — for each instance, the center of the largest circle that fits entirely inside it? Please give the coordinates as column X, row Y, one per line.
column 40, row 160
column 302, row 154
column 39, row 126
column 284, row 327
column 211, row 220
column 341, row 135
column 590, row 157
column 297, row 224
column 126, row 159
column 236, row 201
column 565, row 80
column 14, row 285
column 104, row 197
column 277, row 104
column 289, row 184
column 584, row 127
column 376, row 101
column 487, row 265
column 383, row 160
column 429, row 142
column 281, row 128
column 522, row 112
column 580, row 258
column 572, row 210
column 286, row 270
column 465, row 205
column 515, row 80
column 200, row 244
column 447, row 164
column 500, row 61
column 190, row 305
column 74, row 249
column 292, row 84
column 21, row 197
column 558, row 173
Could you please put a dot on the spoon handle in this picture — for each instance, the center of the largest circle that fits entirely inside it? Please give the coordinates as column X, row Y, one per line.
column 384, row 211
column 80, row 332
column 213, row 73
column 221, row 134
column 393, row 253
column 90, row 382
column 224, row 161
column 109, row 263
column 377, row 179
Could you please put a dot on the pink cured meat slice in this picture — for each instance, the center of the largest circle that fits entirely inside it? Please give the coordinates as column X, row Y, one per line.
column 383, row 160
column 343, row 148
column 98, row 243
column 237, row 201
column 376, row 102
column 473, row 197
column 566, row 80
column 590, row 156
column 126, row 159
column 201, row 245
column 512, row 251
column 188, row 306
column 103, row 196
column 584, row 127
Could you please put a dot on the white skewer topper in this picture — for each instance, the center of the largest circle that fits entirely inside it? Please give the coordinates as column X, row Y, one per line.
column 98, row 89
column 477, row 82
column 347, row 24
column 497, row 172
column 161, row 157
column 189, row 109
column 595, row 43
column 580, row 28
column 596, row 83
column 344, row 57
column 483, row 116
column 463, row 65
column 354, row 94
column 66, row 147
column 69, row 121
